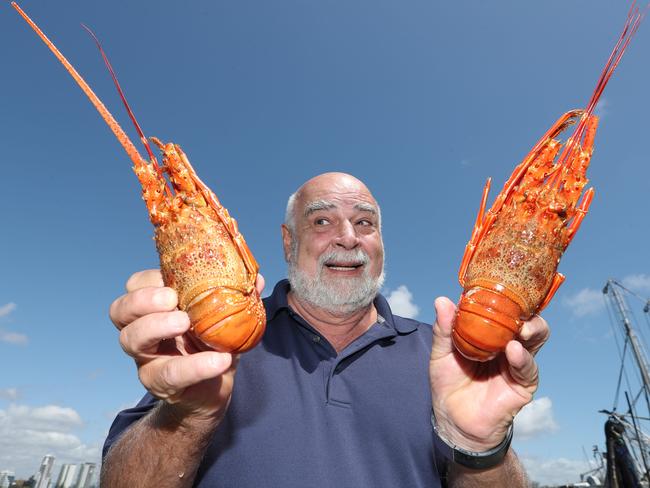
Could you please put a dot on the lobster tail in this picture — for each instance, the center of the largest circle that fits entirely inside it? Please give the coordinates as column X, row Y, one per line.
column 486, row 320
column 228, row 320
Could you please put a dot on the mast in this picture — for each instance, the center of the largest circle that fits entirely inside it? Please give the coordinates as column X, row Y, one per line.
column 623, row 464
column 623, row 315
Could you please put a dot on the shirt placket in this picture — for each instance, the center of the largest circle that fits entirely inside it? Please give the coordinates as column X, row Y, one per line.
column 338, row 393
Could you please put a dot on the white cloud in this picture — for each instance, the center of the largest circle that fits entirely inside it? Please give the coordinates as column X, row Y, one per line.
column 589, row 301
column 28, row 433
column 9, row 393
column 12, row 337
column 401, row 302
column 44, row 418
column 7, row 309
column 585, row 302
column 8, row 336
column 552, row 472
column 639, row 283
column 534, row 419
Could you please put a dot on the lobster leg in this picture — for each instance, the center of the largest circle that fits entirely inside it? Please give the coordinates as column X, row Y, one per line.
column 580, row 212
column 560, row 125
column 249, row 261
column 477, row 235
column 230, row 223
column 558, row 279
column 510, row 186
column 485, row 220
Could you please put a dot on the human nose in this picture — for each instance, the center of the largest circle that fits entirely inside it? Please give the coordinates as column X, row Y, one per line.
column 346, row 235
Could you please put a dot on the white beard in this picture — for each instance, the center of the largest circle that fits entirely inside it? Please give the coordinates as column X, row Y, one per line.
column 339, row 296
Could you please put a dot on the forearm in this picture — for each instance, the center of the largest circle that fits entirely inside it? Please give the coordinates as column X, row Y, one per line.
column 510, row 473
column 162, row 450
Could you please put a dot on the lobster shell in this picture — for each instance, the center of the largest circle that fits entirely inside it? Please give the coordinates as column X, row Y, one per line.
column 199, row 259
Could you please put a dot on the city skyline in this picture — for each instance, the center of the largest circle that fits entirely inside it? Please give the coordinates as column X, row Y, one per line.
column 70, row 475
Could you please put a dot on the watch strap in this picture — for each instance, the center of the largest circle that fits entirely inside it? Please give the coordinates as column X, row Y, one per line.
column 471, row 459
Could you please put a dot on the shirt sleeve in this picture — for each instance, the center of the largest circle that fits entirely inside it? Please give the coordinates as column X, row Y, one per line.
column 126, row 418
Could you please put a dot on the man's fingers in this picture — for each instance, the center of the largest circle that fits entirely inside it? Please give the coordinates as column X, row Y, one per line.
column 144, row 279
column 259, row 283
column 534, row 333
column 523, row 368
column 445, row 310
column 143, row 335
column 167, row 378
column 141, row 302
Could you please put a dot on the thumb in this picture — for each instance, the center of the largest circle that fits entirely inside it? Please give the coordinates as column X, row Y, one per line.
column 259, row 283
column 445, row 311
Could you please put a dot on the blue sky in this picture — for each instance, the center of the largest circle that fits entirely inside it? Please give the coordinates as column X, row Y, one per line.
column 421, row 100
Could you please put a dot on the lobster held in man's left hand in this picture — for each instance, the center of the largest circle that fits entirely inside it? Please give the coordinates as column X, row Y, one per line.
column 203, row 256
column 509, row 269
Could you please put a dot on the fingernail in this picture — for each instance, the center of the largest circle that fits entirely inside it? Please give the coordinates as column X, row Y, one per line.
column 214, row 360
column 217, row 361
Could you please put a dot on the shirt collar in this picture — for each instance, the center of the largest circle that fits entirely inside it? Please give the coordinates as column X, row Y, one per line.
column 278, row 301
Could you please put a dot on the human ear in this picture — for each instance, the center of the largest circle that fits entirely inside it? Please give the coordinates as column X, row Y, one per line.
column 287, row 238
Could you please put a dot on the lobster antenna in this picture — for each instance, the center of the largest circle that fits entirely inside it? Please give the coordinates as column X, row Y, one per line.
column 632, row 23
column 123, row 139
column 144, row 140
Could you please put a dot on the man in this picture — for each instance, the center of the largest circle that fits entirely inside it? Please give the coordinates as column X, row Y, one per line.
column 336, row 394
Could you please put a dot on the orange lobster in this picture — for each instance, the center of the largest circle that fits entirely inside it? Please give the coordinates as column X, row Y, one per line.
column 202, row 254
column 509, row 269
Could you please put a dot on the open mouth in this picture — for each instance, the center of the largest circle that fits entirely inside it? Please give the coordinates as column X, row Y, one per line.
column 343, row 266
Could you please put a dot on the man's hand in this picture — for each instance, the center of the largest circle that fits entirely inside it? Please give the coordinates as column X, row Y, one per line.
column 474, row 402
column 172, row 364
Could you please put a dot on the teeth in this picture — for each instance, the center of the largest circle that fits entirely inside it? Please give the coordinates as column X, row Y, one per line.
column 331, row 266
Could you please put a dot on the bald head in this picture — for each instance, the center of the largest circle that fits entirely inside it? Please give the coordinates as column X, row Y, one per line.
column 316, row 194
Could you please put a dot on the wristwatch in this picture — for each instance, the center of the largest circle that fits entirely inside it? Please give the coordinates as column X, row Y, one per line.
column 470, row 459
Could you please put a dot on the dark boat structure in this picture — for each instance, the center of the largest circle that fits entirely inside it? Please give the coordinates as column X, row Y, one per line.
column 626, row 460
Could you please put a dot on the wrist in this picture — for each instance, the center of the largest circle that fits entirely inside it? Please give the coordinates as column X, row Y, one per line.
column 470, row 436
column 474, row 458
column 176, row 417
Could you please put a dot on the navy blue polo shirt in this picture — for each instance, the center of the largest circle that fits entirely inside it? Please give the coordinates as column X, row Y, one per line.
column 303, row 415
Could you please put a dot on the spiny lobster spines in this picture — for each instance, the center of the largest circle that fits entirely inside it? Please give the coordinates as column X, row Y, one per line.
column 155, row 191
column 551, row 186
column 511, row 272
column 205, row 259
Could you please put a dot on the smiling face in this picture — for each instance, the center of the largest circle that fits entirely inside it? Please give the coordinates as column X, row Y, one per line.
column 334, row 246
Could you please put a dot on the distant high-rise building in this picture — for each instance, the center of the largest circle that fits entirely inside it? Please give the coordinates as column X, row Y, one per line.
column 6, row 478
column 44, row 475
column 86, row 475
column 67, row 476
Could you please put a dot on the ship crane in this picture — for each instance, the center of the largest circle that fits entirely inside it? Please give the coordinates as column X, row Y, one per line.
column 628, row 456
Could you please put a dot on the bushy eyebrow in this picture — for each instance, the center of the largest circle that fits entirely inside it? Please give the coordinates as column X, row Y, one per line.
column 317, row 205
column 366, row 207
